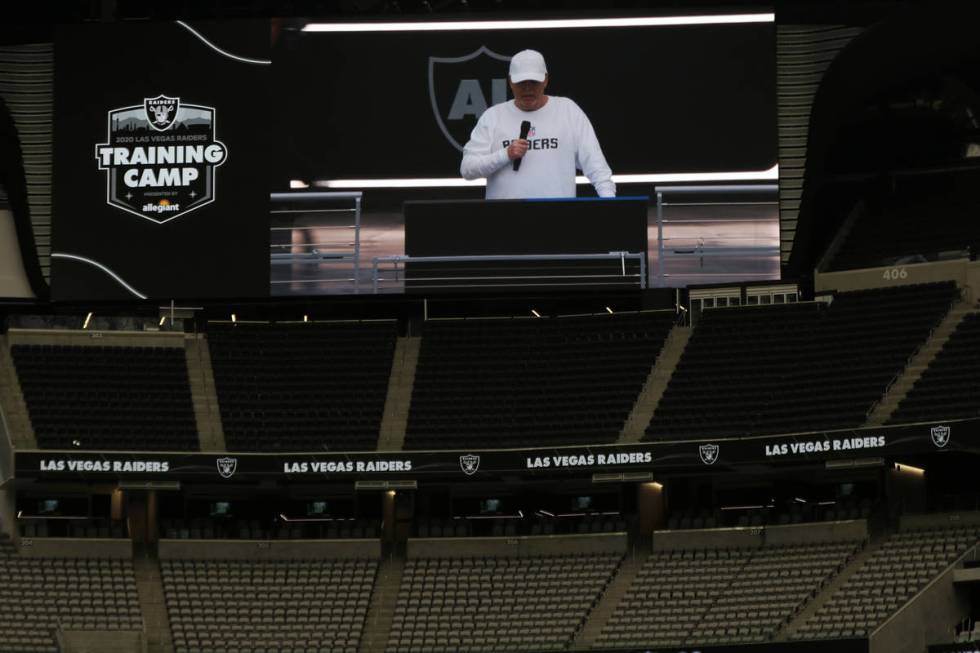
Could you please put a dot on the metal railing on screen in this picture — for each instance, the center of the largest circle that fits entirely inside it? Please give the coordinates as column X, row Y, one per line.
column 610, row 269
column 318, row 236
column 710, row 233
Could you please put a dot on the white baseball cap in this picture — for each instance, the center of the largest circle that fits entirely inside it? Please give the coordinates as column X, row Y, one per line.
column 527, row 64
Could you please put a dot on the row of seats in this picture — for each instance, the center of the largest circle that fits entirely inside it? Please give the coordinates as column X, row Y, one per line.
column 904, row 564
column 797, row 367
column 720, row 595
column 948, row 388
column 535, row 603
column 318, row 605
column 890, row 229
column 517, row 382
column 93, row 397
column 302, row 387
column 41, row 595
column 525, row 382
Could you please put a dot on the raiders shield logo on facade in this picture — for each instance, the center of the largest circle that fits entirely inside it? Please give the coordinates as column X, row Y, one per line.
column 227, row 466
column 709, row 453
column 161, row 111
column 940, row 435
column 462, row 88
column 469, row 464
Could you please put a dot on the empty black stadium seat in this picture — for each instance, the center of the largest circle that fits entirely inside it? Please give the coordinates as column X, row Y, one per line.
column 522, row 382
column 302, row 387
column 797, row 367
column 130, row 398
column 948, row 388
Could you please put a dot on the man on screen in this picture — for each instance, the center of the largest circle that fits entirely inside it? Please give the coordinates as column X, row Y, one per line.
column 559, row 141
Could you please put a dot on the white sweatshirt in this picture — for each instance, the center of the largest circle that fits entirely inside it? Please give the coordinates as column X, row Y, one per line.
column 562, row 140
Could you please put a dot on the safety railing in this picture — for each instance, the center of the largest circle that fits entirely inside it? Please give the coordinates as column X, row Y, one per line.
column 626, row 269
column 315, row 242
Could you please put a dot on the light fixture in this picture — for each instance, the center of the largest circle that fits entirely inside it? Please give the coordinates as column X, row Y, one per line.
column 163, row 318
column 88, row 318
column 535, row 313
column 296, row 183
column 609, row 310
column 306, row 318
column 76, row 443
column 799, row 500
column 910, row 468
column 234, row 318
column 561, row 23
column 770, row 174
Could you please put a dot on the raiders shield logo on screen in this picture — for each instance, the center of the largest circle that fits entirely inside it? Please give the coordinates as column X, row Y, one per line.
column 227, row 467
column 940, row 435
column 462, row 88
column 469, row 463
column 161, row 111
column 709, row 453
column 160, row 158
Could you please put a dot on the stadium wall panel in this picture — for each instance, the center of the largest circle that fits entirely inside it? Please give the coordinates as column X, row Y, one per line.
column 962, row 271
column 255, row 550
column 71, row 547
column 492, row 547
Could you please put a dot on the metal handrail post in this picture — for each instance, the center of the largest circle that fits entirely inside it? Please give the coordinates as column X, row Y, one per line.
column 660, row 237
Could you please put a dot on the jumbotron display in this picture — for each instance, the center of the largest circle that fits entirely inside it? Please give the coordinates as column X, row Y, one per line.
column 258, row 158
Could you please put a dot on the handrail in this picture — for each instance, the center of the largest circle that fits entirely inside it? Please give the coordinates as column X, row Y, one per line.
column 315, row 254
column 401, row 260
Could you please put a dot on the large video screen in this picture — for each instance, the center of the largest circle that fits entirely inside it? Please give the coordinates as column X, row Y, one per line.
column 258, row 158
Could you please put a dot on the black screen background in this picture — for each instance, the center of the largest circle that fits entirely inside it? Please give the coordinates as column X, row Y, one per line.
column 218, row 250
column 661, row 99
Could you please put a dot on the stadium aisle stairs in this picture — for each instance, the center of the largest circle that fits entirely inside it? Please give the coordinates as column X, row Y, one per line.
column 12, row 404
column 615, row 590
column 897, row 391
column 204, row 396
column 377, row 624
column 655, row 385
column 398, row 399
column 149, row 585
column 828, row 590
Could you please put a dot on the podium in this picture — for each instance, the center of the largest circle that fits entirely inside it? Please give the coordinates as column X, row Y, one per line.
column 588, row 243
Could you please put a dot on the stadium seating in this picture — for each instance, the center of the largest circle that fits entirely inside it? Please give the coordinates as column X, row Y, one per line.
column 128, row 398
column 799, row 367
column 948, row 388
column 891, row 230
column 523, row 382
column 42, row 594
column 720, row 595
column 497, row 604
column 248, row 605
column 904, row 564
column 302, row 387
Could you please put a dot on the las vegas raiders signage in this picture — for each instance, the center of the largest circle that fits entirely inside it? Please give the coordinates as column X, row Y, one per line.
column 160, row 157
column 720, row 455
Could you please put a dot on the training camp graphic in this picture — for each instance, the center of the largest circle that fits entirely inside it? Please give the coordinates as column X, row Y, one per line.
column 160, row 158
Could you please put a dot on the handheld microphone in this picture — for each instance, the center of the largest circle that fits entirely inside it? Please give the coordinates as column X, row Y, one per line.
column 525, row 128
